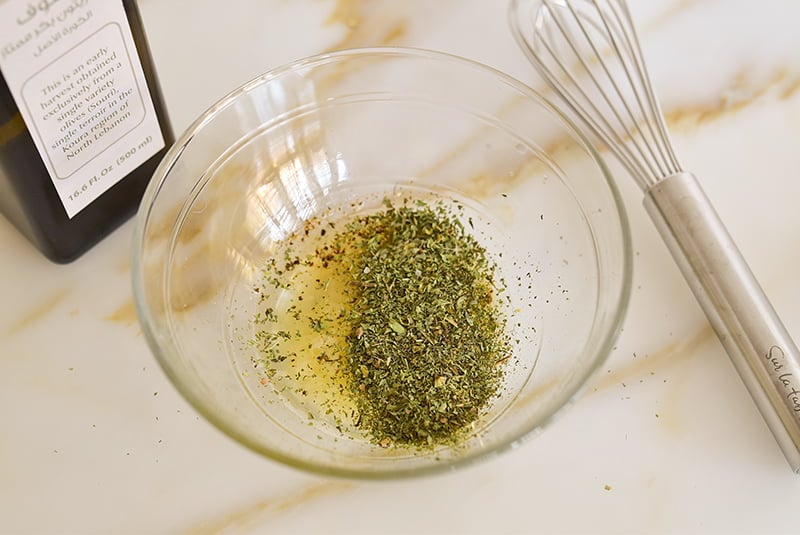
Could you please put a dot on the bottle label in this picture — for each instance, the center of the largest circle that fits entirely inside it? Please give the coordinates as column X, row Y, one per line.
column 75, row 75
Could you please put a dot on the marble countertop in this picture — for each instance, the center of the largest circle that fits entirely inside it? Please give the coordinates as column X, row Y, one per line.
column 94, row 439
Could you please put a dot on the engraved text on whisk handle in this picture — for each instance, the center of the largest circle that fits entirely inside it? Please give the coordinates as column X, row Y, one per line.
column 776, row 358
column 754, row 337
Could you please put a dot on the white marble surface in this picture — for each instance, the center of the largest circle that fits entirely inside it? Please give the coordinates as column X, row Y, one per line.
column 95, row 440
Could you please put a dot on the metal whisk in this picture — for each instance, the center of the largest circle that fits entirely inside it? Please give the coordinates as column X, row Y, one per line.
column 588, row 52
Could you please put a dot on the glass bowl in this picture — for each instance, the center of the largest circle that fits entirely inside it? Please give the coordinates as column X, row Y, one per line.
column 335, row 135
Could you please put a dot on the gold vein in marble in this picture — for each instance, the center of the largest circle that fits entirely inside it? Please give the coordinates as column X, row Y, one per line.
column 646, row 367
column 125, row 314
column 669, row 355
column 536, row 395
column 790, row 89
column 364, row 29
column 37, row 313
column 672, row 11
column 740, row 94
column 668, row 410
column 484, row 183
column 252, row 516
column 124, row 265
column 780, row 84
column 638, row 369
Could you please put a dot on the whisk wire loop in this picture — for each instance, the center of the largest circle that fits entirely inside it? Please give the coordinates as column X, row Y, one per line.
column 608, row 131
column 656, row 115
column 597, row 120
column 630, row 123
column 632, row 57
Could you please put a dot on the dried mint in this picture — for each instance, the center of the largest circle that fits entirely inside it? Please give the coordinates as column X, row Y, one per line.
column 419, row 339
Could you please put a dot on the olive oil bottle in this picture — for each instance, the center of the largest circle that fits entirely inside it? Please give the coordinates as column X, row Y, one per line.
column 82, row 120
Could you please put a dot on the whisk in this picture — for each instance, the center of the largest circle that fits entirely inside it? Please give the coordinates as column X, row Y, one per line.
column 588, row 52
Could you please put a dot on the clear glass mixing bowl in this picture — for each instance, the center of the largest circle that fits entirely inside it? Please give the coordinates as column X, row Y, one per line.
column 344, row 130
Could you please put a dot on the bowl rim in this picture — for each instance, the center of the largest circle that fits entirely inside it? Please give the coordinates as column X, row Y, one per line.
column 601, row 351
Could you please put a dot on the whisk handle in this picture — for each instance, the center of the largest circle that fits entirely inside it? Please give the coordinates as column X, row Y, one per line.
column 761, row 349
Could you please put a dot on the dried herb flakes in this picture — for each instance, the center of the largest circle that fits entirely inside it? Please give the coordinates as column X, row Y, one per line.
column 414, row 334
